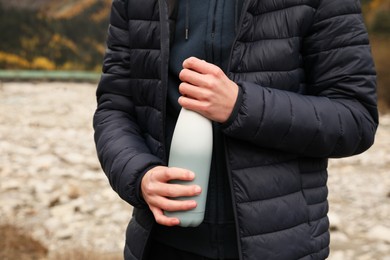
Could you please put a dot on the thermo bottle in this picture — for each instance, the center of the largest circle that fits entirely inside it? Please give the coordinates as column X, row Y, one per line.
column 191, row 149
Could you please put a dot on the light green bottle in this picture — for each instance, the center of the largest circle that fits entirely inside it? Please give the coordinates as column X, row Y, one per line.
column 191, row 148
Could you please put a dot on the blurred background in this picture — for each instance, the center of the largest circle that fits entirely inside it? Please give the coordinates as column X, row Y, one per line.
column 53, row 35
column 55, row 203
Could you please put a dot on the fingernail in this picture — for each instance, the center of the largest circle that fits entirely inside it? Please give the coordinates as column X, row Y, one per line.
column 198, row 190
column 191, row 175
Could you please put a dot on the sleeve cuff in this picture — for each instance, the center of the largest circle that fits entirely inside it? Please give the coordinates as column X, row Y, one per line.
column 138, row 190
column 236, row 108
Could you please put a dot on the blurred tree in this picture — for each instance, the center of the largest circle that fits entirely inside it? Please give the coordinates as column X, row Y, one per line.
column 64, row 33
column 381, row 22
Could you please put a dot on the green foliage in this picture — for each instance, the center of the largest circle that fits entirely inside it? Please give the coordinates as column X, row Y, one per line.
column 381, row 52
column 69, row 43
column 381, row 22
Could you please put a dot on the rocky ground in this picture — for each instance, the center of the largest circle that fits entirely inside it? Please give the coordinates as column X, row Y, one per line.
column 52, row 186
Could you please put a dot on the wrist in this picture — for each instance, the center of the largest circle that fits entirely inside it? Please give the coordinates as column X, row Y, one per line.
column 235, row 110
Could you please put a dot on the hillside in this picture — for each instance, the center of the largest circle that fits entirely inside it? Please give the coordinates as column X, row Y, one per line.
column 48, row 35
column 55, row 9
column 24, row 4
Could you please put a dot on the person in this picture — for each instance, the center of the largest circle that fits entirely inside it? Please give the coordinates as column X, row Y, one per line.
column 287, row 85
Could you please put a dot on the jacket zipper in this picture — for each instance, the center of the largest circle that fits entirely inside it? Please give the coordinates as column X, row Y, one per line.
column 213, row 25
column 239, row 247
column 164, row 45
column 212, row 60
column 239, row 25
column 164, row 20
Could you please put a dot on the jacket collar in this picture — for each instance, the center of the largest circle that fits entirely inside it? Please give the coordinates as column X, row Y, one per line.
column 172, row 8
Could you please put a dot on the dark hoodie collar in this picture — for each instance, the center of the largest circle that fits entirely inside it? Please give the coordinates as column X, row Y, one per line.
column 188, row 13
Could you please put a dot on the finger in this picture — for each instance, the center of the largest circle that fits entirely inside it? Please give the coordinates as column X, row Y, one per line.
column 194, row 92
column 173, row 173
column 172, row 205
column 194, row 78
column 178, row 190
column 201, row 66
column 162, row 219
column 201, row 107
column 156, row 183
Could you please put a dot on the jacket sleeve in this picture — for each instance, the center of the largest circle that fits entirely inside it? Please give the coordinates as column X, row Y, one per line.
column 121, row 148
column 338, row 115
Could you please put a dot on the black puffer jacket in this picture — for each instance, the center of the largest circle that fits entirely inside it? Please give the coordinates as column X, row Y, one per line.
column 308, row 93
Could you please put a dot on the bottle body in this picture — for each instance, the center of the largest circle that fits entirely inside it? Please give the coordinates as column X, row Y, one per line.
column 191, row 149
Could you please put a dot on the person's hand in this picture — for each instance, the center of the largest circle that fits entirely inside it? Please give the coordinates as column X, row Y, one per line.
column 157, row 191
column 207, row 90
